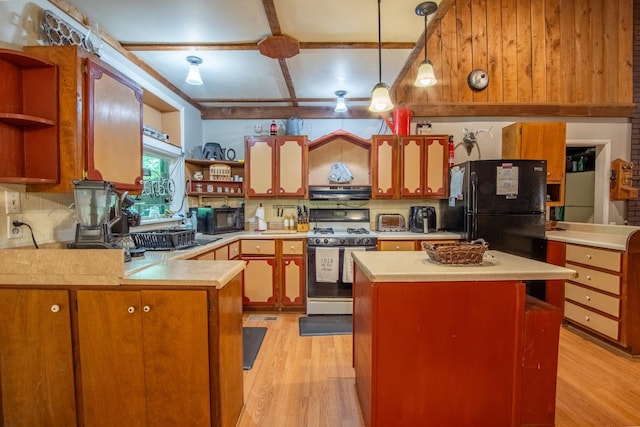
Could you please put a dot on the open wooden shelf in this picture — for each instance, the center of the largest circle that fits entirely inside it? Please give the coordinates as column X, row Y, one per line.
column 28, row 119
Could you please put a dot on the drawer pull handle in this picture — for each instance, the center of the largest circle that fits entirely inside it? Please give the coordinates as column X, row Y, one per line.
column 292, row 248
column 588, row 298
column 588, row 256
column 55, row 308
column 588, row 277
column 586, row 318
column 397, row 248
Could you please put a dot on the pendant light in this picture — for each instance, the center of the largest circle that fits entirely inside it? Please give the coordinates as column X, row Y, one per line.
column 193, row 78
column 426, row 77
column 380, row 99
column 341, row 106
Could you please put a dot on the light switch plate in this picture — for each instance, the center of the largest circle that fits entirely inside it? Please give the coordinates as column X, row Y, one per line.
column 12, row 202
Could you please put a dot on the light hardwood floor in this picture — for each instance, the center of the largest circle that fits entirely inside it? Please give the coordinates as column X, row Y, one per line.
column 309, row 381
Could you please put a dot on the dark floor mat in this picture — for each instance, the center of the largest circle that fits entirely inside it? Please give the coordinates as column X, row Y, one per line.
column 251, row 341
column 326, row 324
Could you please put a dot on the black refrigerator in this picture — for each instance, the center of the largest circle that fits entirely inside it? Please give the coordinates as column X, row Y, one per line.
column 502, row 202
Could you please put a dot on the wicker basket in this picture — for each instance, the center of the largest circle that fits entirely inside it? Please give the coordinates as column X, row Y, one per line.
column 456, row 253
column 164, row 240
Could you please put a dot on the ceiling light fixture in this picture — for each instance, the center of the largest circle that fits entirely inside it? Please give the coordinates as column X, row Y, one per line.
column 380, row 99
column 341, row 106
column 193, row 78
column 426, row 77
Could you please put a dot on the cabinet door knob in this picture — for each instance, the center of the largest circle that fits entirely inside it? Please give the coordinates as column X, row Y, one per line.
column 131, row 309
column 587, row 318
column 588, row 256
column 588, row 298
column 146, row 309
column 55, row 308
column 588, row 277
column 397, row 248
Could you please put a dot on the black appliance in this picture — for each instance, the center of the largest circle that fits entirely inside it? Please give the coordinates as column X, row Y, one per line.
column 502, row 202
column 335, row 233
column 212, row 220
column 421, row 217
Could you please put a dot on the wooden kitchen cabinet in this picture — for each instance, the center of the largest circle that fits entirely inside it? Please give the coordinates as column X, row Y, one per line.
column 144, row 357
column 226, row 252
column 412, row 166
column 540, row 141
column 276, row 166
column 384, row 176
column 100, row 116
column 593, row 299
column 423, row 166
column 408, row 245
column 28, row 119
column 396, row 245
column 37, row 385
column 604, row 299
column 274, row 278
column 292, row 275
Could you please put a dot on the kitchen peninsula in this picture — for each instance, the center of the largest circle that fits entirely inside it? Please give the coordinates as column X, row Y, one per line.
column 442, row 344
column 86, row 340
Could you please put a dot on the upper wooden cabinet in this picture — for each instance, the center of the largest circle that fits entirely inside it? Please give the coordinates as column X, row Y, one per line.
column 28, row 119
column 423, row 166
column 540, row 141
column 100, row 114
column 412, row 166
column 276, row 166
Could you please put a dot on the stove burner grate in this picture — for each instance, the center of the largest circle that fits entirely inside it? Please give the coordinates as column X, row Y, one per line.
column 323, row 230
column 360, row 230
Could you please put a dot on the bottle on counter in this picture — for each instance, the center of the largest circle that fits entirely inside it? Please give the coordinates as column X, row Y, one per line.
column 273, row 129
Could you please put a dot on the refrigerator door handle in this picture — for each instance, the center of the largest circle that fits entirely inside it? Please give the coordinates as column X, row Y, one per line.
column 473, row 178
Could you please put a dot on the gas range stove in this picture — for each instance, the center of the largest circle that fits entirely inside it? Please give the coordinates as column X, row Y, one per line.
column 340, row 227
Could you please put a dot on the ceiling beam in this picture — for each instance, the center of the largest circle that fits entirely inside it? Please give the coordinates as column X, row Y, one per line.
column 169, row 47
column 425, row 110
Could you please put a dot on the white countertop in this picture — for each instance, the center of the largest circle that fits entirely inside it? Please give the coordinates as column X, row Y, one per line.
column 598, row 235
column 187, row 273
column 417, row 267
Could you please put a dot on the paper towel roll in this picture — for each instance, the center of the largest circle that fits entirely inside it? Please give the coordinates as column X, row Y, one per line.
column 261, row 223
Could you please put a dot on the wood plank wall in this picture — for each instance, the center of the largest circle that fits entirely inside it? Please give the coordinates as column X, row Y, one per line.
column 560, row 53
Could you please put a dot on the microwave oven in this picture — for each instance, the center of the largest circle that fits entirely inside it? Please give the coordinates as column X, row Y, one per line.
column 212, row 220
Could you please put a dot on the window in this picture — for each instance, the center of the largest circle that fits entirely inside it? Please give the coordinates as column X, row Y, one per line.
column 162, row 194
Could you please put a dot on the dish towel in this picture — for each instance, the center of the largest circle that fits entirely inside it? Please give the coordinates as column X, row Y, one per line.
column 347, row 264
column 327, row 268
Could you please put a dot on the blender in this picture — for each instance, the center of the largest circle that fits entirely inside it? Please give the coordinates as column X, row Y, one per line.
column 95, row 200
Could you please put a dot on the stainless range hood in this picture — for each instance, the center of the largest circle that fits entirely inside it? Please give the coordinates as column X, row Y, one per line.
column 339, row 192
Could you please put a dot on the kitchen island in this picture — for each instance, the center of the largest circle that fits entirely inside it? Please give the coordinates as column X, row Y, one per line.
column 460, row 345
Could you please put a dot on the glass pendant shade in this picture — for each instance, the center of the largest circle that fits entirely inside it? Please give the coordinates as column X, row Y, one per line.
column 193, row 78
column 426, row 77
column 380, row 99
column 341, row 105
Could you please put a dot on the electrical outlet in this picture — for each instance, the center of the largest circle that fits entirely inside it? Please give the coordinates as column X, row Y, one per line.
column 13, row 232
column 12, row 202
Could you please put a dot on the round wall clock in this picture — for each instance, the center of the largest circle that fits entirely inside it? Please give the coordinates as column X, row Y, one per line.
column 478, row 79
